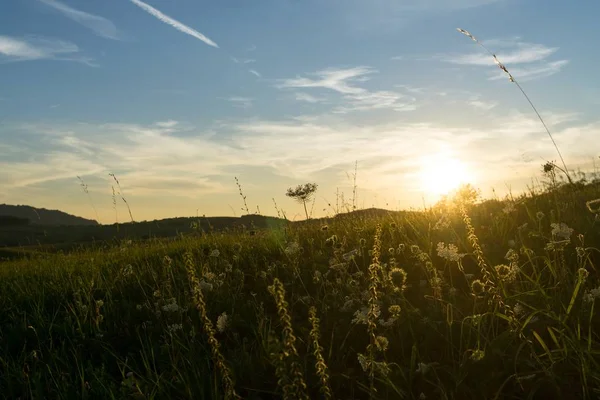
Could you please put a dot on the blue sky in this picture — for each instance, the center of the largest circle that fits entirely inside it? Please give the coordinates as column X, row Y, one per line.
column 176, row 97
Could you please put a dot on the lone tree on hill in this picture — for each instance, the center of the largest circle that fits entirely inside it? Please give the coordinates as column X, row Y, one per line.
column 303, row 193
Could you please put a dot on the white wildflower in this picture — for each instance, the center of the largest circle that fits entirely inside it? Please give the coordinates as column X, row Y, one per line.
column 292, row 249
column 174, row 328
column 449, row 252
column 206, row 285
column 171, row 305
column 509, row 208
column 222, row 322
column 561, row 231
column 215, row 253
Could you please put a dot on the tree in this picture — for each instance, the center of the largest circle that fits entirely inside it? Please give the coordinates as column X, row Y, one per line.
column 303, row 193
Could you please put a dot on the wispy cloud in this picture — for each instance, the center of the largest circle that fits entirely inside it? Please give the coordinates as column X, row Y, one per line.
column 532, row 59
column 99, row 25
column 38, row 48
column 309, row 98
column 177, row 163
column 338, row 80
column 534, row 72
column 255, row 73
column 238, row 101
column 482, row 105
column 242, row 60
column 354, row 98
column 173, row 22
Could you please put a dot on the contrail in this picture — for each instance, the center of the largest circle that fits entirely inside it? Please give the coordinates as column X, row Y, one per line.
column 174, row 23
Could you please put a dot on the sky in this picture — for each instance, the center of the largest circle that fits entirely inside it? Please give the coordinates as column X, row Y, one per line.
column 176, row 98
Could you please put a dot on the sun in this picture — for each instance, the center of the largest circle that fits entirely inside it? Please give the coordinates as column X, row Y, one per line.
column 440, row 174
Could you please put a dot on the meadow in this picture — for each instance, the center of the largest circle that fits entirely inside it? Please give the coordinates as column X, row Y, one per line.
column 469, row 299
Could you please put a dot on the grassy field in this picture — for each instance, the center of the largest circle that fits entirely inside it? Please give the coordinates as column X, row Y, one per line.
column 467, row 300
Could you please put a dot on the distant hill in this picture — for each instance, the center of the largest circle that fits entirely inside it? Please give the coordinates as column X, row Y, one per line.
column 41, row 216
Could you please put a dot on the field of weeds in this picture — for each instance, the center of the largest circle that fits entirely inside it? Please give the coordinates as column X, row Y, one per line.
column 466, row 300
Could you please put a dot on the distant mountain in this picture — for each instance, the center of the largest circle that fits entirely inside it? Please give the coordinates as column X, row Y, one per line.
column 40, row 216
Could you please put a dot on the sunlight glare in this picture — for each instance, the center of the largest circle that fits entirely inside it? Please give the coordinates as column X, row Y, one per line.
column 440, row 174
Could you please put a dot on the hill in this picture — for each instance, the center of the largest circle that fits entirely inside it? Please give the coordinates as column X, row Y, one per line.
column 42, row 216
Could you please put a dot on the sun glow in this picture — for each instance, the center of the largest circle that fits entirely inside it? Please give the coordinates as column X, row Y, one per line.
column 440, row 174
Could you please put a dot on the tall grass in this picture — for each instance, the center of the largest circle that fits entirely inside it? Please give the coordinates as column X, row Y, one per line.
column 493, row 299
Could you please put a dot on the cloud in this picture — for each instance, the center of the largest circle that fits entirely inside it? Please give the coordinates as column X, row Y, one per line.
column 301, row 96
column 531, row 59
column 243, row 60
column 534, row 72
column 38, row 48
column 255, row 73
column 482, row 105
column 167, row 124
column 174, row 23
column 354, row 98
column 99, row 25
column 238, row 101
column 338, row 80
column 156, row 164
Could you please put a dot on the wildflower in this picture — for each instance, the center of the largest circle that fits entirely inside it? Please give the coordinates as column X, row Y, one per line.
column 174, row 328
column 414, row 249
column 394, row 310
column 509, row 208
column 590, row 295
column 364, row 362
column 477, row 355
column 317, row 276
column 215, row 253
column 324, row 228
column 292, row 249
column 422, row 396
column 392, row 251
column 518, row 309
column 539, row 215
column 382, row 343
column 362, row 242
column 206, row 285
column 423, row 368
column 506, row 273
column 99, row 303
column 477, row 287
column 398, row 277
column 401, row 247
column 511, row 255
column 350, row 255
column 331, row 240
column 139, row 307
column 263, row 274
column 561, row 231
column 441, row 223
column 171, row 305
column 156, row 293
column 389, row 322
column 449, row 252
column 222, row 322
column 580, row 252
column 582, row 273
column 360, row 316
column 127, row 270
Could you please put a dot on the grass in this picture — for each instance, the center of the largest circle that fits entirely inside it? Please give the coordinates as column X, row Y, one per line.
column 493, row 300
